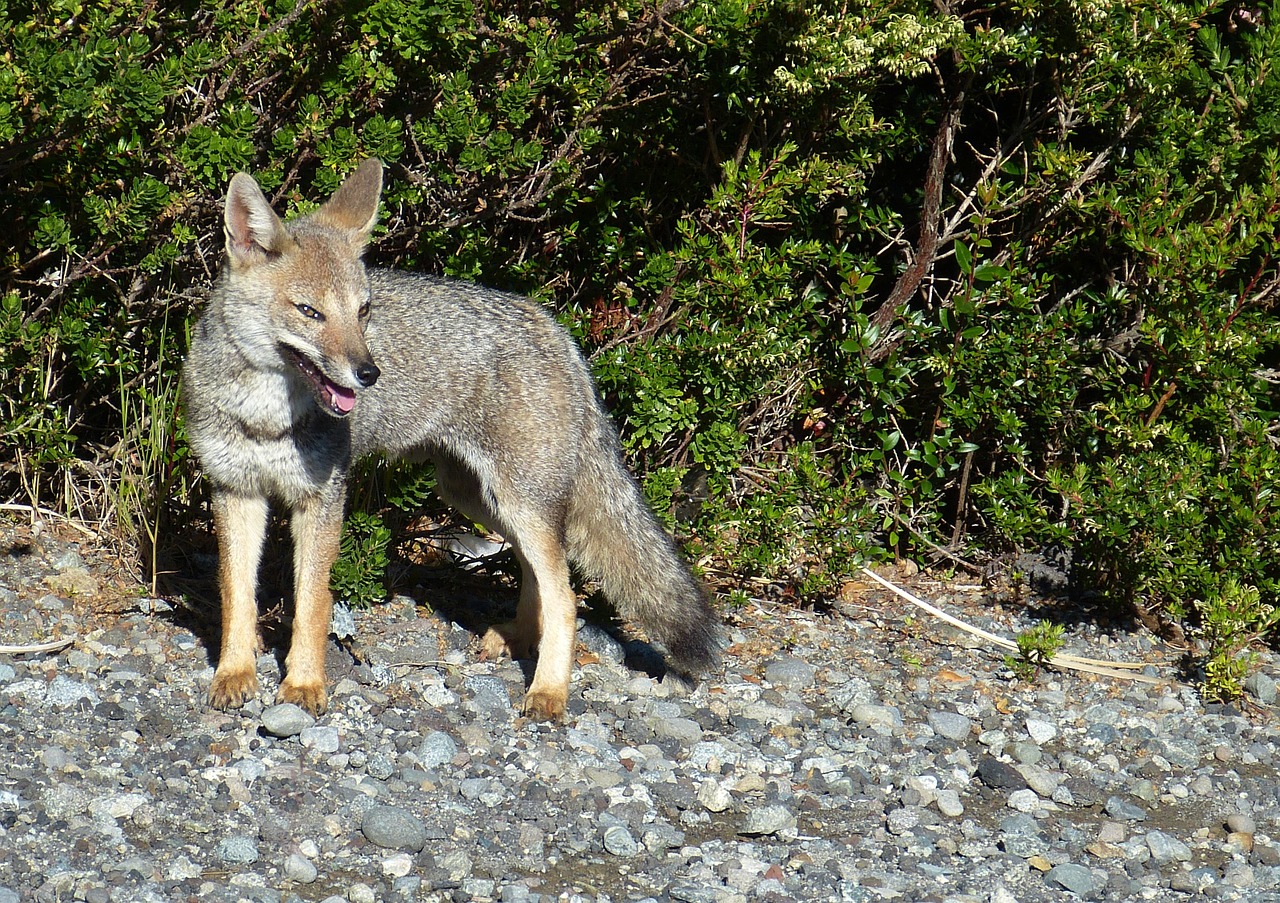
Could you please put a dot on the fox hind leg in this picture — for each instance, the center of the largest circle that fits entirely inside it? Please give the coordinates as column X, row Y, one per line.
column 241, row 522
column 546, row 621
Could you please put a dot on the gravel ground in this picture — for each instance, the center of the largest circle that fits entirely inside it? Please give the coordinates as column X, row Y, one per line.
column 867, row 753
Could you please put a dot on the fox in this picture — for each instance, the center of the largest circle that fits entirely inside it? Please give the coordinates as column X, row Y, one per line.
column 305, row 360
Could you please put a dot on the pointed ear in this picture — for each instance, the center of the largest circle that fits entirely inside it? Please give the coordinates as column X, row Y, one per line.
column 254, row 232
column 354, row 206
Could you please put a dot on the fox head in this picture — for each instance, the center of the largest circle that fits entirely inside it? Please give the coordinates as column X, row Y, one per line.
column 304, row 285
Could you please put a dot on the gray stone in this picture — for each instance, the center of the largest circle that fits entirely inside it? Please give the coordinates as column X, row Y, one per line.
column 951, row 725
column 64, row 692
column 773, row 819
column 436, row 749
column 489, row 697
column 713, row 797
column 1240, row 823
column 685, row 730
column 876, row 715
column 285, row 720
column 619, row 842
column 320, row 739
column 1122, row 810
column 1262, row 686
column 1070, row 876
column 792, row 673
column 65, row 800
column 949, row 803
column 999, row 775
column 9, row 896
column 394, row 829
column 901, row 821
column 1024, row 801
column 300, row 869
column 1041, row 731
column 1166, row 848
column 238, row 849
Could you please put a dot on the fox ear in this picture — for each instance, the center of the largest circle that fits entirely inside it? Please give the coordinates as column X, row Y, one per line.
column 254, row 232
column 354, row 206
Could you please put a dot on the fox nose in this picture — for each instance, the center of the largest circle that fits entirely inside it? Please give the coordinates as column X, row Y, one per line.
column 368, row 374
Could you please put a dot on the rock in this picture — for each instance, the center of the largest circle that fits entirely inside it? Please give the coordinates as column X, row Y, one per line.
column 1075, row 878
column 1262, row 686
column 1041, row 732
column 489, row 698
column 1122, row 810
column 766, row 820
column 1024, row 801
column 238, row 849
column 397, row 865
column 1167, row 848
column 950, row 725
column 436, row 749
column 1239, row 823
column 322, row 740
column 791, row 673
column 949, row 804
column 618, row 841
column 285, row 720
column 713, row 797
column 876, row 715
column 999, row 775
column 64, row 693
column 300, row 869
column 394, row 829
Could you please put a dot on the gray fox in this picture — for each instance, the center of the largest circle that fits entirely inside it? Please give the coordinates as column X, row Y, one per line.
column 304, row 360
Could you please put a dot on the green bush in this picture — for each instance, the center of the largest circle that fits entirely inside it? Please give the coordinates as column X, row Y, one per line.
column 855, row 278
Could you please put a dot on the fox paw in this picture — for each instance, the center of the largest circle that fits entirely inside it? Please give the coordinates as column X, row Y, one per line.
column 232, row 688
column 508, row 639
column 542, row 705
column 308, row 695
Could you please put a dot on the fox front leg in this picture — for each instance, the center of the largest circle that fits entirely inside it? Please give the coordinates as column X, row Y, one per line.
column 241, row 522
column 317, row 538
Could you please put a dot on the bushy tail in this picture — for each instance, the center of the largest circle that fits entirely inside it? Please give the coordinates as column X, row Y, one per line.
column 614, row 539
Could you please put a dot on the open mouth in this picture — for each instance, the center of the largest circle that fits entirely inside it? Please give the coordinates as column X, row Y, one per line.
column 338, row 399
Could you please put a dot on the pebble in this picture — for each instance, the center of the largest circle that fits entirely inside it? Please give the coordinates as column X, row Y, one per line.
column 437, row 749
column 394, row 829
column 238, row 849
column 950, row 725
column 300, row 869
column 816, row 764
column 769, row 820
column 1167, row 848
column 1041, row 732
column 323, row 740
column 620, row 842
column 792, row 673
column 285, row 720
column 1262, row 686
column 1075, row 878
column 1240, row 823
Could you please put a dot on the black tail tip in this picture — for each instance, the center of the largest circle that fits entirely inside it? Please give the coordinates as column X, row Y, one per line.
column 695, row 652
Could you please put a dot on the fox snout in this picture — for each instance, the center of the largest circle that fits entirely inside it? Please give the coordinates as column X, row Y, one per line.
column 367, row 373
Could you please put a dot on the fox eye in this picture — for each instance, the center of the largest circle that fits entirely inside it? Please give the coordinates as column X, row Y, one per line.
column 363, row 313
column 308, row 311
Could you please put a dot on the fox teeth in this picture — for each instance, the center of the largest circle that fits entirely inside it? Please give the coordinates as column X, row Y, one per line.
column 338, row 399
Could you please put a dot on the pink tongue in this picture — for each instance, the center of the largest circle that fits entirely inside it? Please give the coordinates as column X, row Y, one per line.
column 343, row 399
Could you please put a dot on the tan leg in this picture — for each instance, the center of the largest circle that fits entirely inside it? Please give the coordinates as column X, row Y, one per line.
column 317, row 535
column 548, row 617
column 241, row 523
column 518, row 638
